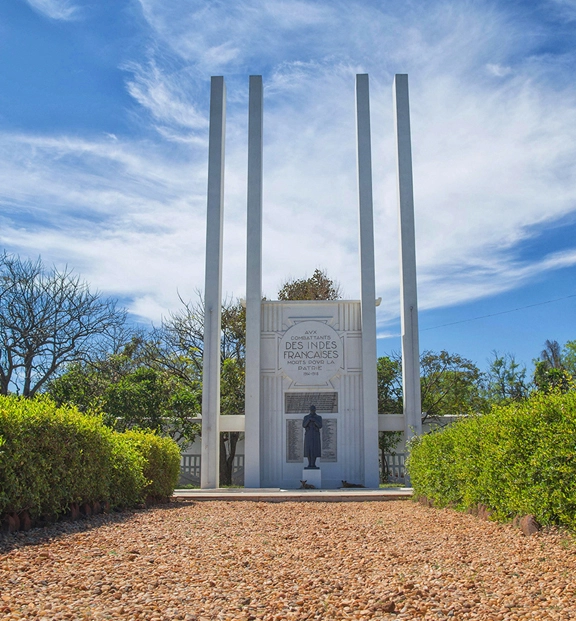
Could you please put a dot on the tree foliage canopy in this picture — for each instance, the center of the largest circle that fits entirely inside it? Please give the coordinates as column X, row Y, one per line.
column 569, row 357
column 555, row 368
column 48, row 318
column 318, row 287
column 178, row 348
column 548, row 379
column 506, row 380
column 389, row 378
column 130, row 392
column 551, row 355
column 450, row 384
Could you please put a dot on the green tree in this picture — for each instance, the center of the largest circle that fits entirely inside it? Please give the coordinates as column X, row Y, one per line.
column 569, row 357
column 551, row 355
column 506, row 380
column 83, row 383
column 131, row 394
column 550, row 370
column 177, row 347
column 49, row 319
column 548, row 379
column 450, row 384
column 389, row 377
column 147, row 398
column 80, row 385
column 318, row 287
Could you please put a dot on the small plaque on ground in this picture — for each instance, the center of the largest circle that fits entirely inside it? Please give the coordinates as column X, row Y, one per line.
column 300, row 402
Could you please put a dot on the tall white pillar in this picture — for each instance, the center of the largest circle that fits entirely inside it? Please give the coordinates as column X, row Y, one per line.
column 367, row 280
column 209, row 477
column 408, row 285
column 253, row 284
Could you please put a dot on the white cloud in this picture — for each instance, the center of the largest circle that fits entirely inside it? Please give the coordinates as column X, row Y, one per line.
column 163, row 95
column 64, row 10
column 218, row 35
column 492, row 277
column 498, row 70
column 494, row 160
column 121, row 214
column 566, row 8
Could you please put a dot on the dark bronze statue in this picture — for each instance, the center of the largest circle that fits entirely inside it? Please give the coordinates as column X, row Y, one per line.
column 312, row 423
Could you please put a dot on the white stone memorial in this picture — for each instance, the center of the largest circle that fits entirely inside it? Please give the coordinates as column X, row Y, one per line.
column 304, row 353
column 311, row 354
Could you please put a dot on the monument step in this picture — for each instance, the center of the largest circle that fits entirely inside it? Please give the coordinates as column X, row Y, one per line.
column 294, row 495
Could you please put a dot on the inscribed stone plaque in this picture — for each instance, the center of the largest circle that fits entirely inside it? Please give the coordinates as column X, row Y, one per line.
column 294, row 441
column 329, row 440
column 300, row 402
column 310, row 353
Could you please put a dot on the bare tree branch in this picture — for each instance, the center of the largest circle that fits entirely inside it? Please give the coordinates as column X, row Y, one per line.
column 48, row 318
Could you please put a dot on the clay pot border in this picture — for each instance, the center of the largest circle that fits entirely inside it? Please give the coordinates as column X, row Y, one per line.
column 526, row 523
column 12, row 522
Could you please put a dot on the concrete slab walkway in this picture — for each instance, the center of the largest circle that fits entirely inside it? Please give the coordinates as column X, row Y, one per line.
column 295, row 495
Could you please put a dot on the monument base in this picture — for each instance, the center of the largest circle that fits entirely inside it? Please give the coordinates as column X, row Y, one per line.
column 312, row 477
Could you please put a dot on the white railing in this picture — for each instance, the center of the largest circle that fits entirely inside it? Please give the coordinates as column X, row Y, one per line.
column 394, row 470
column 190, row 469
column 190, row 466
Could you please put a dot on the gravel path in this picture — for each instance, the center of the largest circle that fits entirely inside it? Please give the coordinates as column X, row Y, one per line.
column 248, row 561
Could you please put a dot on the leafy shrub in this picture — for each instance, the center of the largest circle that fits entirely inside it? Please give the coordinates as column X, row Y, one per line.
column 517, row 459
column 127, row 481
column 161, row 457
column 51, row 457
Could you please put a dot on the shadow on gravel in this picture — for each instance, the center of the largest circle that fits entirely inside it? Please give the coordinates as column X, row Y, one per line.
column 61, row 528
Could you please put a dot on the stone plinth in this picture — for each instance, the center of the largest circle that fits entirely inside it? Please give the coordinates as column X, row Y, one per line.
column 312, row 477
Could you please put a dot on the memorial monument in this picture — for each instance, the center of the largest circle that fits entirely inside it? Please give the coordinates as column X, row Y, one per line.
column 307, row 356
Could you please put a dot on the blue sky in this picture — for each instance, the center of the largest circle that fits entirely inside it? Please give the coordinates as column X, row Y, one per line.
column 103, row 148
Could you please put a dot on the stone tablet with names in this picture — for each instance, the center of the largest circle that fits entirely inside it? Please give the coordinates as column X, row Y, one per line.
column 294, row 441
column 300, row 402
column 329, row 440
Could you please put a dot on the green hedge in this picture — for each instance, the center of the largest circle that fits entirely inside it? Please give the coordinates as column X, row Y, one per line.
column 51, row 457
column 161, row 462
column 518, row 459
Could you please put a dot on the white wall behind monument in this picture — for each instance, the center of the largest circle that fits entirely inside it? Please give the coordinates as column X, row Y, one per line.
column 304, row 353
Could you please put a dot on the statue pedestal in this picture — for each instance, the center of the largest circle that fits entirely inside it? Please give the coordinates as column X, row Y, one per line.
column 312, row 477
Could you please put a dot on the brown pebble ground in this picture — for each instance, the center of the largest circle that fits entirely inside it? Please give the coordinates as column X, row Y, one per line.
column 248, row 560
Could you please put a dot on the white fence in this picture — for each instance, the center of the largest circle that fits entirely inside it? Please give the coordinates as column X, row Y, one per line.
column 190, row 470
column 394, row 469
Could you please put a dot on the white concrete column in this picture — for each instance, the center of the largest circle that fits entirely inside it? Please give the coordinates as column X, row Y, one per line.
column 209, row 477
column 408, row 285
column 253, row 284
column 367, row 280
